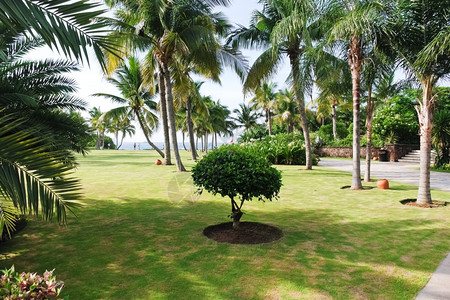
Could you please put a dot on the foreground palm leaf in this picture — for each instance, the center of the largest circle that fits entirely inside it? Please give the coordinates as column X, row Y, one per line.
column 66, row 25
column 33, row 178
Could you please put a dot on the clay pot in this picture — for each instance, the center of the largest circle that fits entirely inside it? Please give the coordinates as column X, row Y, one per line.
column 158, row 162
column 375, row 158
column 383, row 184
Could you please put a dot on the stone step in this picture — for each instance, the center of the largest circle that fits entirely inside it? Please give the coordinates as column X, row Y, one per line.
column 414, row 157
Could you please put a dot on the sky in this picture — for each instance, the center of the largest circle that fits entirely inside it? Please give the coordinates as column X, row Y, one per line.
column 91, row 79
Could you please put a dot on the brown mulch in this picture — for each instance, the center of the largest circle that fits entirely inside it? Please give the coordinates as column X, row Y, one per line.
column 412, row 202
column 248, row 233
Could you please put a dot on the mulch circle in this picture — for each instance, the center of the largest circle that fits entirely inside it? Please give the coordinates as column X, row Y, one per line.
column 412, row 202
column 248, row 233
column 345, row 187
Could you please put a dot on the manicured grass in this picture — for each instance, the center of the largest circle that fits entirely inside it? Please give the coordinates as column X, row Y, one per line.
column 139, row 236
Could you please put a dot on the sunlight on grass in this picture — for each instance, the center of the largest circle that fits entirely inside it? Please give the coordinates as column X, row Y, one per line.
column 139, row 236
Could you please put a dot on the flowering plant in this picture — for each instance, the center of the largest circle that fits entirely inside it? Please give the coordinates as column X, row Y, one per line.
column 29, row 285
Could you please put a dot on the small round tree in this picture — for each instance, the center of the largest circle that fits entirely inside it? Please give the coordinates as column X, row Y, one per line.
column 232, row 171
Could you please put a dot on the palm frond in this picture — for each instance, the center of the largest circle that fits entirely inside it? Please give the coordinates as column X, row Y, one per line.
column 33, row 177
column 65, row 25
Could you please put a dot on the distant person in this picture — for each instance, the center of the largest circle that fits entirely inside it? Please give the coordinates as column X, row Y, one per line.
column 134, row 146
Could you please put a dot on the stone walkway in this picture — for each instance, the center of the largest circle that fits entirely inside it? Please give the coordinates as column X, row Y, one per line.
column 392, row 171
column 438, row 287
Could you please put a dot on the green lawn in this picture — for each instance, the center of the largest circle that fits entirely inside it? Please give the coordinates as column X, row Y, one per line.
column 139, row 236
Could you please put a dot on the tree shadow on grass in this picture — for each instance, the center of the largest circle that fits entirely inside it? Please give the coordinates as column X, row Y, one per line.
column 148, row 248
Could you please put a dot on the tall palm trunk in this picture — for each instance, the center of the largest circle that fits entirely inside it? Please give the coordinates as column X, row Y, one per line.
column 333, row 119
column 163, row 111
column 206, row 142
column 370, row 106
column 425, row 113
column 269, row 121
column 301, row 107
column 171, row 117
column 190, row 126
column 144, row 129
column 355, row 60
column 184, row 146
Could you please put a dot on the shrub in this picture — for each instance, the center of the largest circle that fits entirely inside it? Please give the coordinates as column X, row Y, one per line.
column 326, row 132
column 283, row 149
column 29, row 285
column 232, row 171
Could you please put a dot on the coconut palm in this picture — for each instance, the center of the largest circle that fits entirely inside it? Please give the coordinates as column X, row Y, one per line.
column 286, row 112
column 121, row 124
column 265, row 99
column 246, row 117
column 420, row 37
column 355, row 24
column 137, row 99
column 175, row 30
column 285, row 26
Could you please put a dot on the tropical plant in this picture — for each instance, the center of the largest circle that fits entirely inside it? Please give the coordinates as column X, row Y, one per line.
column 136, row 99
column 285, row 27
column 65, row 25
column 121, row 124
column 281, row 149
column 15, row 285
column 356, row 23
column 265, row 99
column 245, row 116
column 419, row 35
column 35, row 176
column 175, row 33
column 286, row 112
column 232, row 171
column 396, row 120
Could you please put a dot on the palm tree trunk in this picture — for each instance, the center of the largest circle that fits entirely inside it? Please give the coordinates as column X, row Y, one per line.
column 269, row 121
column 97, row 146
column 190, row 126
column 121, row 141
column 171, row 117
column 301, row 107
column 206, row 142
column 370, row 106
column 184, row 146
column 333, row 119
column 163, row 111
column 425, row 114
column 355, row 59
column 144, row 129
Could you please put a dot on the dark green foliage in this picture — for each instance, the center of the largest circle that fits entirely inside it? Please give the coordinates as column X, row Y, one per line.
column 397, row 121
column 282, row 149
column 441, row 128
column 108, row 143
column 232, row 171
column 326, row 132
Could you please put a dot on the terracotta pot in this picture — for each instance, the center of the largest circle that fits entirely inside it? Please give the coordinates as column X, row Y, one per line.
column 375, row 158
column 383, row 184
column 158, row 162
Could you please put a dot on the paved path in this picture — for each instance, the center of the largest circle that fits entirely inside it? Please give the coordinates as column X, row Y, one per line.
column 392, row 171
column 438, row 287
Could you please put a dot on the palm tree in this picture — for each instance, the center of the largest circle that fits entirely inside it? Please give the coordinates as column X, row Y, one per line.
column 99, row 125
column 265, row 99
column 246, row 117
column 354, row 26
column 420, row 37
column 286, row 112
column 37, row 133
column 137, row 99
column 121, row 124
column 65, row 25
column 175, row 30
column 286, row 27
